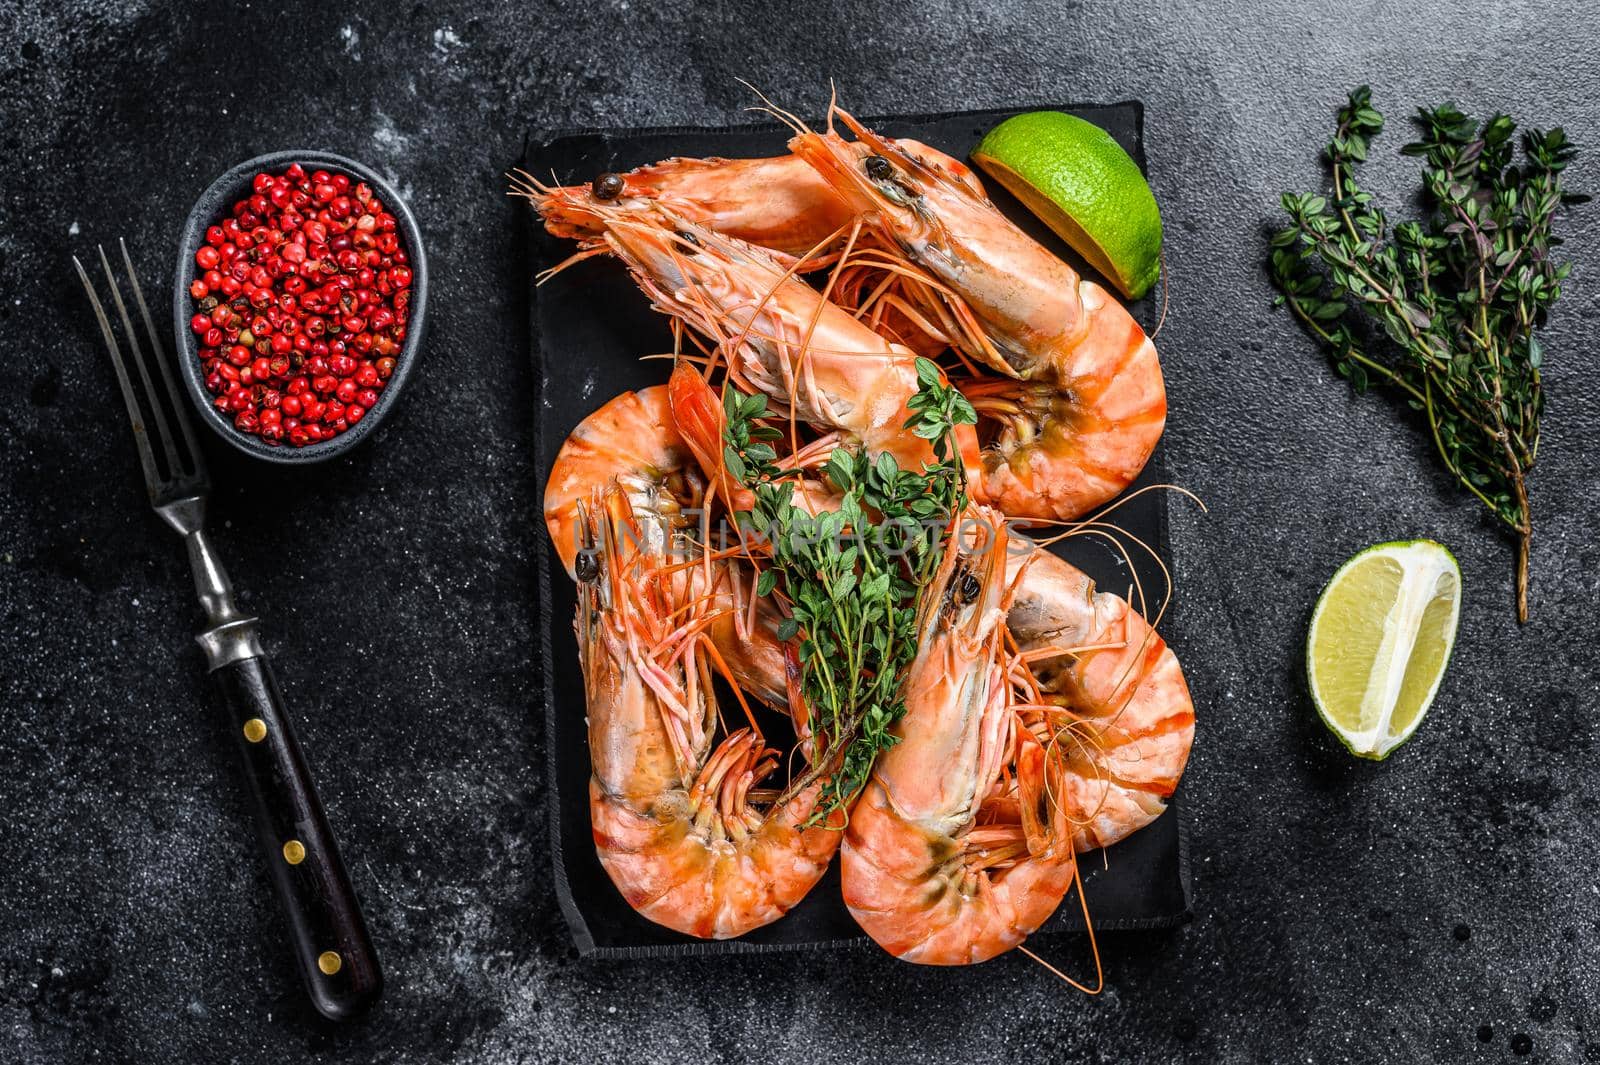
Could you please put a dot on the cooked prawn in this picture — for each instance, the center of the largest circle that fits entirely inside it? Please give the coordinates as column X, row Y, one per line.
column 679, row 823
column 633, row 441
column 959, row 847
column 1081, row 402
column 816, row 363
column 778, row 203
column 1114, row 695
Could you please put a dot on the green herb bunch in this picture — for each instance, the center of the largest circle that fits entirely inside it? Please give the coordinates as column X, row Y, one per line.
column 851, row 577
column 1455, row 298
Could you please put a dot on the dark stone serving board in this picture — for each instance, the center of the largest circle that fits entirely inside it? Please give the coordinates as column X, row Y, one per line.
column 590, row 327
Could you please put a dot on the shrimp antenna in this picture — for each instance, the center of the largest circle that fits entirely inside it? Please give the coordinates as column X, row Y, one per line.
column 1165, row 294
column 788, row 118
column 526, row 185
column 529, row 187
column 1094, row 947
column 1096, row 524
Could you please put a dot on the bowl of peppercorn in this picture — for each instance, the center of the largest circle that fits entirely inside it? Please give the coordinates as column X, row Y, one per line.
column 299, row 302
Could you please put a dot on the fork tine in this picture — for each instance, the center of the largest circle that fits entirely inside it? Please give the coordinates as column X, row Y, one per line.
column 175, row 402
column 175, row 470
column 140, row 438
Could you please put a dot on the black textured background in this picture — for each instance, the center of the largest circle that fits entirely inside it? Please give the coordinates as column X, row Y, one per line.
column 1345, row 912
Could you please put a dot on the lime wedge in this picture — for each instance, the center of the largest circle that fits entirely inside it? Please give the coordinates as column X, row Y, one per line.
column 1380, row 640
column 1075, row 177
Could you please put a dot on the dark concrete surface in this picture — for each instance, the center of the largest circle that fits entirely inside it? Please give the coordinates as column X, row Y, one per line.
column 1434, row 908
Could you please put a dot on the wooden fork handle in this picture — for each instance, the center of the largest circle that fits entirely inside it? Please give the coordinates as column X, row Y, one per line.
column 331, row 944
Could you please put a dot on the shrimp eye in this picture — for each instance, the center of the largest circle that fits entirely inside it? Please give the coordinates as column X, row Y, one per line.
column 607, row 186
column 878, row 168
column 587, row 565
column 969, row 588
column 689, row 239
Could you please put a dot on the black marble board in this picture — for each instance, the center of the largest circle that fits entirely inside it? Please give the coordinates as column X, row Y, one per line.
column 590, row 326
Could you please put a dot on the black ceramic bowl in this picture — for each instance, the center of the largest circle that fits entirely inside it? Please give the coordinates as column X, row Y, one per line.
column 214, row 204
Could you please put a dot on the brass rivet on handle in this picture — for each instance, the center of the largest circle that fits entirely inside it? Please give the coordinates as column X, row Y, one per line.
column 330, row 962
column 255, row 730
column 294, row 852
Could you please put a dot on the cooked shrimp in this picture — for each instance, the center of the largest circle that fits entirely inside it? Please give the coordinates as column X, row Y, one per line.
column 634, row 442
column 632, row 437
column 1081, row 403
column 813, row 360
column 779, row 203
column 959, row 849
column 679, row 823
column 1114, row 694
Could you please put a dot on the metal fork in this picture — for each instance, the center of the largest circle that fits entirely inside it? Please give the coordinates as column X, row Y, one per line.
column 331, row 943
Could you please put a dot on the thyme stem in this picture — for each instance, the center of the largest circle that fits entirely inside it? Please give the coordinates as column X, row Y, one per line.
column 1456, row 299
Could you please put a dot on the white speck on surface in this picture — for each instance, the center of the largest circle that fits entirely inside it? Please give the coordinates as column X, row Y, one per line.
column 445, row 41
column 350, row 36
column 72, row 230
column 387, row 136
column 401, row 186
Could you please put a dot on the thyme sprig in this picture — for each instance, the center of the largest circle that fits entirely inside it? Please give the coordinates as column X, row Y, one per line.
column 850, row 577
column 1456, row 298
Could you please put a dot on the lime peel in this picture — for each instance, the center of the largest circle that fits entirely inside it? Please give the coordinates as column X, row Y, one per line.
column 1084, row 186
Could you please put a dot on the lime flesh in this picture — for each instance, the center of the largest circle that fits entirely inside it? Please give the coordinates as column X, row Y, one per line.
column 1079, row 181
column 1380, row 640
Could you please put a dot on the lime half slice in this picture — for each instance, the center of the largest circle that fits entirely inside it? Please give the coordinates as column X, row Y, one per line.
column 1080, row 182
column 1380, row 640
